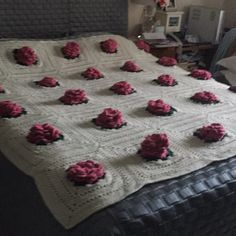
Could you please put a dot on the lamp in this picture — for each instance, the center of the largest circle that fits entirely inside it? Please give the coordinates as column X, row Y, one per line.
column 160, row 13
column 148, row 14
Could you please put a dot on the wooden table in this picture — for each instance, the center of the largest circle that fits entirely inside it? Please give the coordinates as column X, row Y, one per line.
column 176, row 50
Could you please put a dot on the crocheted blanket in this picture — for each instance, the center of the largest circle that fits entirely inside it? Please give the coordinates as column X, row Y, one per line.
column 116, row 149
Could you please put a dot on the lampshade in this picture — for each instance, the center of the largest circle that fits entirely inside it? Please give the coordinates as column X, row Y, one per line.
column 145, row 2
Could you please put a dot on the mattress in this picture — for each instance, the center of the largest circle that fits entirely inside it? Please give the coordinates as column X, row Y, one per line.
column 126, row 171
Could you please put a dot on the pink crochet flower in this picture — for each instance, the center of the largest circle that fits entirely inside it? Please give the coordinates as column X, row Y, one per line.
column 122, row 88
column 142, row 45
column 160, row 108
column 92, row 73
column 2, row 89
column 166, row 80
column 85, row 172
column 48, row 82
column 232, row 88
column 110, row 119
column 130, row 67
column 71, row 50
column 74, row 97
column 109, row 46
column 201, row 74
column 205, row 97
column 25, row 56
column 155, row 146
column 211, row 133
column 167, row 61
column 43, row 134
column 10, row 109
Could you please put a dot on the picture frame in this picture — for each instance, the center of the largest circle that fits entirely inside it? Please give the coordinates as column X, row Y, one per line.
column 171, row 6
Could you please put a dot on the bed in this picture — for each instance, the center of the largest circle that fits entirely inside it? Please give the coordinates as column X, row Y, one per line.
column 201, row 202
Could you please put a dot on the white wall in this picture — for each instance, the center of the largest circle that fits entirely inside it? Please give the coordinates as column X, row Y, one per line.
column 214, row 3
column 230, row 16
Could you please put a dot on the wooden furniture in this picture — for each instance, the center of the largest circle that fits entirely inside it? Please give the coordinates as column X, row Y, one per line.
column 206, row 50
column 159, row 49
column 165, row 50
column 178, row 51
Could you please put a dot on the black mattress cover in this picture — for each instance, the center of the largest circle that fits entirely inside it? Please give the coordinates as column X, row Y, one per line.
column 202, row 203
